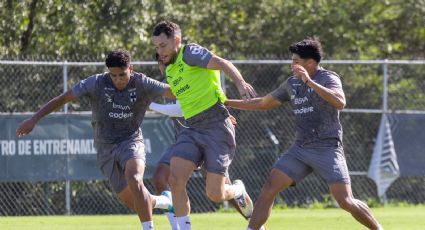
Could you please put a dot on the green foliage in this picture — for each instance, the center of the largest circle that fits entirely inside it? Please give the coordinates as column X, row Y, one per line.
column 78, row 29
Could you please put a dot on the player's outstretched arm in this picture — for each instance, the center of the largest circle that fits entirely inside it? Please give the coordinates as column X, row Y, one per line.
column 171, row 110
column 27, row 125
column 260, row 103
column 245, row 90
column 168, row 93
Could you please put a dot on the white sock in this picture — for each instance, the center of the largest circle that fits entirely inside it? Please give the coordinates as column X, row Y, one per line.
column 162, row 202
column 262, row 228
column 172, row 219
column 380, row 227
column 147, row 225
column 183, row 222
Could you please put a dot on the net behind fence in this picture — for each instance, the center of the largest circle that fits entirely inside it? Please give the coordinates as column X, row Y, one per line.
column 27, row 87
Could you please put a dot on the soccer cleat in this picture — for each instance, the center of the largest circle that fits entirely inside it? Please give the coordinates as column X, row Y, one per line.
column 168, row 195
column 244, row 201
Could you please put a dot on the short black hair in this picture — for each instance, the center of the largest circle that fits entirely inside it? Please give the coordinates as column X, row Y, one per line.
column 308, row 48
column 118, row 58
column 170, row 29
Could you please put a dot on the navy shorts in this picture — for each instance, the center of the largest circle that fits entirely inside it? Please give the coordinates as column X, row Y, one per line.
column 329, row 162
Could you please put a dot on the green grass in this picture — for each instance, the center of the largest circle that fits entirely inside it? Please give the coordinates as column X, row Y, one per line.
column 392, row 218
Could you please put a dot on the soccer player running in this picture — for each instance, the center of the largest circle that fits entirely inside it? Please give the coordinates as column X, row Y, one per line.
column 172, row 108
column 193, row 74
column 317, row 97
column 162, row 171
column 119, row 99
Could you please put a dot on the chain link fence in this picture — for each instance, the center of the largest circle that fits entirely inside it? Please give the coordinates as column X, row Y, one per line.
column 27, row 86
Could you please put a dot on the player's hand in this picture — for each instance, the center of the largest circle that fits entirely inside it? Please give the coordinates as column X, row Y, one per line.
column 25, row 127
column 233, row 120
column 300, row 72
column 246, row 91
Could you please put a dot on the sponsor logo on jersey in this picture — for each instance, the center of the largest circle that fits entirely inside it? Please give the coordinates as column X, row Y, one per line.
column 196, row 50
column 121, row 115
column 182, row 89
column 303, row 110
column 108, row 98
column 177, row 81
column 122, row 107
column 300, row 100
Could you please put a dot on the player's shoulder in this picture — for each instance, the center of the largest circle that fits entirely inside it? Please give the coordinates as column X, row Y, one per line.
column 98, row 77
column 138, row 75
column 194, row 49
column 141, row 78
column 328, row 73
column 291, row 80
column 192, row 46
column 95, row 78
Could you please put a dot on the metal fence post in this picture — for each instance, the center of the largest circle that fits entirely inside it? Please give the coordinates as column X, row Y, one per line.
column 385, row 92
column 65, row 110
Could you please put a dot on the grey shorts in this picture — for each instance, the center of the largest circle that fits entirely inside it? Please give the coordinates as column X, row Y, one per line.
column 166, row 156
column 210, row 139
column 178, row 126
column 113, row 157
column 329, row 162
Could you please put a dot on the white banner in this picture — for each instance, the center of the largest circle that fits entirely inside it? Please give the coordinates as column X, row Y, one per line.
column 383, row 168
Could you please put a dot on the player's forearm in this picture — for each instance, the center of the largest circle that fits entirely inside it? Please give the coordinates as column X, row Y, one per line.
column 333, row 96
column 172, row 110
column 253, row 104
column 230, row 70
column 49, row 107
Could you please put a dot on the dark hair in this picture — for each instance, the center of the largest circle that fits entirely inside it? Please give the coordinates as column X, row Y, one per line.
column 118, row 58
column 170, row 29
column 308, row 48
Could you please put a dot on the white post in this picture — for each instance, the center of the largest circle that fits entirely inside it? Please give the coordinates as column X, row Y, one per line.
column 65, row 84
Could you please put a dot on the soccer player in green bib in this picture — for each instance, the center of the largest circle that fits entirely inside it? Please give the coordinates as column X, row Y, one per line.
column 193, row 73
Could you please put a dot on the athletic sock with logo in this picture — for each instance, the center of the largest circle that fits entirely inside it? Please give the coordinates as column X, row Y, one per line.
column 148, row 225
column 184, row 222
column 172, row 219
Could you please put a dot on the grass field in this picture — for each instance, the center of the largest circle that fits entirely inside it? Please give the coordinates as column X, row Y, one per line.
column 392, row 218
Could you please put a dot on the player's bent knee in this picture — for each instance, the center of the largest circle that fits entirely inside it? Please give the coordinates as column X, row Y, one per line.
column 160, row 180
column 269, row 190
column 175, row 182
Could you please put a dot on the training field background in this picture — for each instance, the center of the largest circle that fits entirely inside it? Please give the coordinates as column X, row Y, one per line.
column 377, row 48
column 393, row 218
